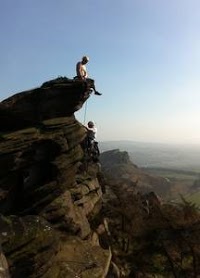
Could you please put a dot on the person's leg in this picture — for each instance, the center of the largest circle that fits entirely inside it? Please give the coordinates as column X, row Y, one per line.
column 92, row 86
column 97, row 93
column 96, row 148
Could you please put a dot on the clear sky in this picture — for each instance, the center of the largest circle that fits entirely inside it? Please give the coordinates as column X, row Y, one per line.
column 144, row 57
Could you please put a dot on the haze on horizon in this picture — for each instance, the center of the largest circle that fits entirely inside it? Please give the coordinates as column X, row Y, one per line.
column 144, row 57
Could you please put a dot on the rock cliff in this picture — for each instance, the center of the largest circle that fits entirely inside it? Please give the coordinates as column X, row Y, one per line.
column 50, row 197
column 117, row 166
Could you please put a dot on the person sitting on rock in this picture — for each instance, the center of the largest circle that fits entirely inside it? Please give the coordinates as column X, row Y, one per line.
column 82, row 74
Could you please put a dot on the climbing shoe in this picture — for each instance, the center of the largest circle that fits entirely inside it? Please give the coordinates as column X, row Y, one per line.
column 97, row 93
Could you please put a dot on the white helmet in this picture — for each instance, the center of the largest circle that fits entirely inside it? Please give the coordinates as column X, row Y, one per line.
column 90, row 123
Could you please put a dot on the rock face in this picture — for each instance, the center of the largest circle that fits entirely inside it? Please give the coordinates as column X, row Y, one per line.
column 56, row 98
column 4, row 269
column 118, row 167
column 50, row 198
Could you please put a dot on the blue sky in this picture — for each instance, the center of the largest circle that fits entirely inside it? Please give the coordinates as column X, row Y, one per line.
column 144, row 57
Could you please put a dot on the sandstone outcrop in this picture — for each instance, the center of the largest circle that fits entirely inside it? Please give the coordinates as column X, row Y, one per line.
column 49, row 200
column 117, row 166
column 56, row 98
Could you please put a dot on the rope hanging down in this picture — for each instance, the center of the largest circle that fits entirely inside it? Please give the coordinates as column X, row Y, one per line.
column 85, row 112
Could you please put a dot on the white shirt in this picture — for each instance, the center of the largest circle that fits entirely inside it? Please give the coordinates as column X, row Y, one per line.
column 92, row 132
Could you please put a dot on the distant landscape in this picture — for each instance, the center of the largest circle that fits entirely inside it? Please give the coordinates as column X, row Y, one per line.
column 180, row 164
column 154, row 155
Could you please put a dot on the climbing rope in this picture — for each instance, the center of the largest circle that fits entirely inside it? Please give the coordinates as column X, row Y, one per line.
column 85, row 112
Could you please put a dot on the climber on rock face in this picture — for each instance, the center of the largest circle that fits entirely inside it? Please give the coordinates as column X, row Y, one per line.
column 91, row 131
column 91, row 143
column 82, row 74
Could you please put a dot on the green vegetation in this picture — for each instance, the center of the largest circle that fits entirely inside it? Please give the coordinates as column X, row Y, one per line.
column 173, row 173
column 193, row 198
column 155, row 241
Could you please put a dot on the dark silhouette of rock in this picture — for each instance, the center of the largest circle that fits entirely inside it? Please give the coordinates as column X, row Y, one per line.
column 56, row 98
column 47, row 202
column 115, row 157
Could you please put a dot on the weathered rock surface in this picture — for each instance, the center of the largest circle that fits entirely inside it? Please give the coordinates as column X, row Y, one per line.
column 30, row 244
column 4, row 269
column 57, row 98
column 118, row 167
column 47, row 198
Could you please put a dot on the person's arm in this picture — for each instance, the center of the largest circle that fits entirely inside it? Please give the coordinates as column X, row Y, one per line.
column 93, row 131
column 85, row 73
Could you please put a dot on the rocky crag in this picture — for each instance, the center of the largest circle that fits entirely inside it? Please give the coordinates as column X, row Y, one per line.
column 50, row 196
column 118, row 167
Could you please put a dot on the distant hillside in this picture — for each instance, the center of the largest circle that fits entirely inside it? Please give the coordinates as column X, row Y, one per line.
column 184, row 157
column 117, row 166
column 168, row 183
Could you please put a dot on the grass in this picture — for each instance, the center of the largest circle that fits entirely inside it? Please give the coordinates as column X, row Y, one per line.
column 194, row 198
column 173, row 173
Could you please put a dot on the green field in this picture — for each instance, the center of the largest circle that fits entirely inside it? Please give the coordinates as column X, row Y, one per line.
column 173, row 174
column 182, row 183
column 194, row 198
